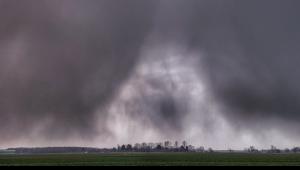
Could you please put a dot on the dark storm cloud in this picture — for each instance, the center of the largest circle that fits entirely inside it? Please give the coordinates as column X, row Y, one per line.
column 254, row 66
column 62, row 59
column 251, row 51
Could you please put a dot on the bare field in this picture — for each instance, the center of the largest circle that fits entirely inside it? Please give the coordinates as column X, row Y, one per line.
column 152, row 159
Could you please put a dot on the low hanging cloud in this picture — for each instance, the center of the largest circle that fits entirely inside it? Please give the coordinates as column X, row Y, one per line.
column 99, row 72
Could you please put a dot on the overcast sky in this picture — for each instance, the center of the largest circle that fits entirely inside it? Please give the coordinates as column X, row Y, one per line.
column 217, row 73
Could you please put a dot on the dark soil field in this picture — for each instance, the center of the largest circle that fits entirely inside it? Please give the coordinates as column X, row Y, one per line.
column 152, row 159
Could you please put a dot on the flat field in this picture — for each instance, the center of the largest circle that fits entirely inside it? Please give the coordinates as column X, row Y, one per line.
column 152, row 159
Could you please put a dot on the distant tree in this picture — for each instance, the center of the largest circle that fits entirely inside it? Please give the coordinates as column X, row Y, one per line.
column 159, row 147
column 252, row 149
column 151, row 145
column 296, row 149
column 176, row 144
column 182, row 148
column 144, row 145
column 123, row 148
column 191, row 148
column 167, row 144
column 287, row 150
column 137, row 146
column 274, row 149
column 129, row 147
column 210, row 150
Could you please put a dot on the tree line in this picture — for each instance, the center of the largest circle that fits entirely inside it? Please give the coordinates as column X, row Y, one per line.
column 144, row 147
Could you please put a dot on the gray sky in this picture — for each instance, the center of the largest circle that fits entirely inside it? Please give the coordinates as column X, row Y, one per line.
column 219, row 73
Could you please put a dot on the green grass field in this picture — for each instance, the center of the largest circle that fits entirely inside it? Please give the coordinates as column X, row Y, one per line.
column 151, row 159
